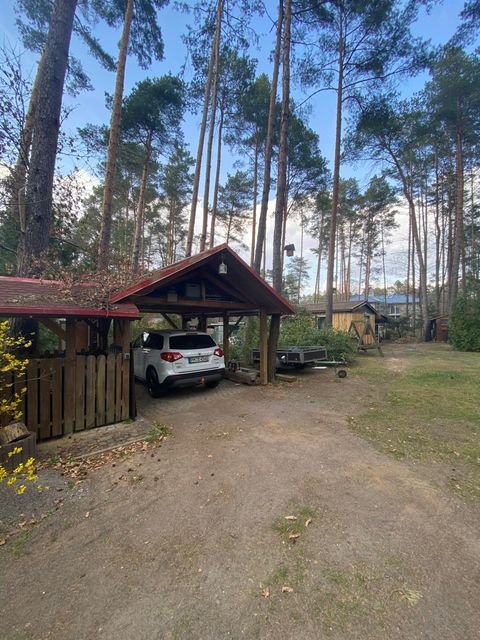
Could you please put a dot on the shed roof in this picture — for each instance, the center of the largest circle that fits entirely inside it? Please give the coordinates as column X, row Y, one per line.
column 341, row 307
column 238, row 292
column 50, row 298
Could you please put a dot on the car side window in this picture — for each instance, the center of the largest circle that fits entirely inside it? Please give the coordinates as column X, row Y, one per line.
column 154, row 341
column 138, row 341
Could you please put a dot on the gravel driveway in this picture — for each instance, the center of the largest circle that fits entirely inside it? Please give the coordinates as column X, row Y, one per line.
column 261, row 516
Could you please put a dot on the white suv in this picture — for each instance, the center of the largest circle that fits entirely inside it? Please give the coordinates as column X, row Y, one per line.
column 174, row 358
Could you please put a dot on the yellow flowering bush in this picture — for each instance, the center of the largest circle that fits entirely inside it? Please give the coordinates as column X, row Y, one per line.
column 10, row 363
column 23, row 473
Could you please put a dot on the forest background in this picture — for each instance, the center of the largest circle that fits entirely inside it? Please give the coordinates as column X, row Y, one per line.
column 386, row 201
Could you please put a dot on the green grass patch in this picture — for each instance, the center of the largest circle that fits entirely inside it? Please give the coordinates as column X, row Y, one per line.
column 158, row 432
column 428, row 410
column 20, row 543
column 286, row 527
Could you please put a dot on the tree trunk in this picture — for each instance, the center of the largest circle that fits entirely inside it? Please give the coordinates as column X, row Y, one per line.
column 255, row 195
column 418, row 247
column 282, row 195
column 19, row 174
column 137, row 239
column 316, row 295
column 336, row 182
column 458, row 239
column 217, row 179
column 46, row 126
column 113, row 142
column 211, row 133
column 262, row 220
column 203, row 127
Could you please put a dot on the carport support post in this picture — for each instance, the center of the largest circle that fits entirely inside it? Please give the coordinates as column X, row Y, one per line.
column 263, row 348
column 121, row 336
column 226, row 340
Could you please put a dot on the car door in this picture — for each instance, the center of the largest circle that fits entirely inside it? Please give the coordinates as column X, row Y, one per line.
column 152, row 347
column 139, row 355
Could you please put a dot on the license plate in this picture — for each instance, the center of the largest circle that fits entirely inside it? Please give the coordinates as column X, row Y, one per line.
column 198, row 359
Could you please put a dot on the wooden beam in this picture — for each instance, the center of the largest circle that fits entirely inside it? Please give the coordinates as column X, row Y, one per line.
column 263, row 348
column 54, row 327
column 227, row 288
column 169, row 320
column 196, row 306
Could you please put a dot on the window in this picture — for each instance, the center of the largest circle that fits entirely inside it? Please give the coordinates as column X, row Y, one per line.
column 192, row 341
column 154, row 341
column 138, row 342
column 321, row 322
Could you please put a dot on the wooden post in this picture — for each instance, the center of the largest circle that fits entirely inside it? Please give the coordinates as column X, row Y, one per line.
column 70, row 389
column 226, row 341
column 202, row 323
column 122, row 339
column 263, row 348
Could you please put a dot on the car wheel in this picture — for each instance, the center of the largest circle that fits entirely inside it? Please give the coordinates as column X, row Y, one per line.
column 212, row 384
column 153, row 385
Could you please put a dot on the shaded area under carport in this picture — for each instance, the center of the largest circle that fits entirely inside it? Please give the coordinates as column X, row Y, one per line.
column 214, row 283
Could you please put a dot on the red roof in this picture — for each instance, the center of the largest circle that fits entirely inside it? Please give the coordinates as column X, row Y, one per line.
column 50, row 298
column 262, row 295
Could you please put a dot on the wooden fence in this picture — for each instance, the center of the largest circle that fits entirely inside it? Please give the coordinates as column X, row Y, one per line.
column 64, row 396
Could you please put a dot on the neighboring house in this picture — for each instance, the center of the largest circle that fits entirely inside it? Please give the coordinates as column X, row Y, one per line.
column 394, row 306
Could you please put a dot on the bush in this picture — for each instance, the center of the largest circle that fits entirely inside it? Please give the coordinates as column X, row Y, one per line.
column 244, row 341
column 464, row 322
column 300, row 330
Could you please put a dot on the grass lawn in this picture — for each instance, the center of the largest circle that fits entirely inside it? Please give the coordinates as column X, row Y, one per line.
column 428, row 409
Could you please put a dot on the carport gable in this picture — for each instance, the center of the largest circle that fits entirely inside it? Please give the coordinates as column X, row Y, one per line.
column 211, row 283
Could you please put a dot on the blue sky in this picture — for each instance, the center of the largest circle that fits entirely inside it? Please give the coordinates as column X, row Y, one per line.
column 89, row 107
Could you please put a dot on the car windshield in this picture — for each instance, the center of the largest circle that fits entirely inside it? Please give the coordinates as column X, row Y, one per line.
column 194, row 341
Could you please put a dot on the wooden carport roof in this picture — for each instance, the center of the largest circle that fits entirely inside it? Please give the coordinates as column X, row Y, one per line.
column 33, row 297
column 194, row 285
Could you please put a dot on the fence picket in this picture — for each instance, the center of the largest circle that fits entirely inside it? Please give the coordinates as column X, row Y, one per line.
column 57, row 396
column 45, row 398
column 110, row 417
column 91, row 383
column 100, row 417
column 118, row 387
column 32, row 396
column 80, row 393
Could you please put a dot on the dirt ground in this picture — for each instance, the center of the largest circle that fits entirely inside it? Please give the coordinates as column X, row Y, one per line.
column 190, row 540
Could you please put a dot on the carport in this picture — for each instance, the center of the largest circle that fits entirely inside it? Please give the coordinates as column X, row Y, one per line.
column 215, row 283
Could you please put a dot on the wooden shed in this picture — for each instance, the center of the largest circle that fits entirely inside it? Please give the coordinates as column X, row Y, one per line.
column 344, row 313
column 86, row 381
column 439, row 328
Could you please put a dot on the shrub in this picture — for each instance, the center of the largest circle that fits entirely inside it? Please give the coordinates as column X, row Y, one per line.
column 12, row 363
column 244, row 341
column 464, row 321
column 300, row 330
